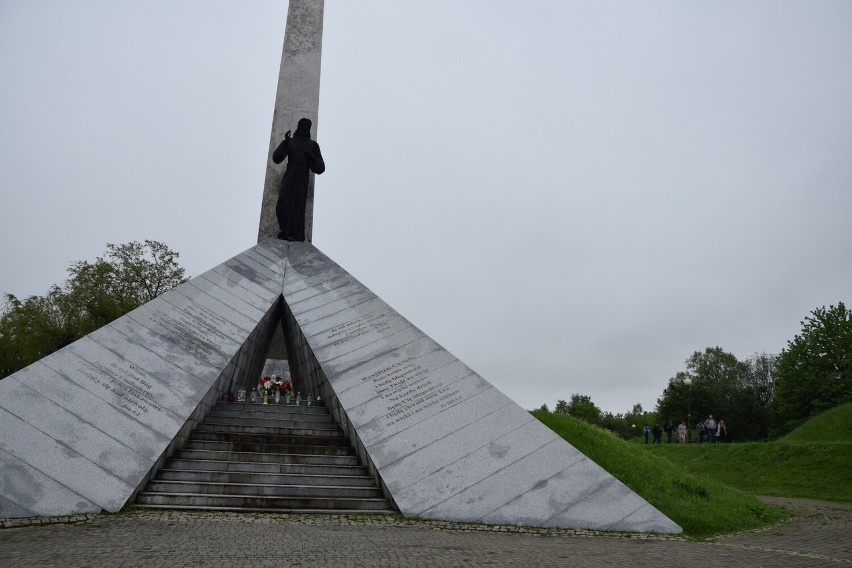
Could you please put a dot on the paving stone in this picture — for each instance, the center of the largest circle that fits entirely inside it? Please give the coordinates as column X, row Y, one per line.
column 817, row 535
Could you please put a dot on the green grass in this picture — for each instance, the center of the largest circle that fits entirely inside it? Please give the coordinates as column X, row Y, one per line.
column 702, row 505
column 813, row 461
column 834, row 425
column 812, row 471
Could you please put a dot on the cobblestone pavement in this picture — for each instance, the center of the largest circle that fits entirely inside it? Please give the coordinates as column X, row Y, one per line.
column 819, row 534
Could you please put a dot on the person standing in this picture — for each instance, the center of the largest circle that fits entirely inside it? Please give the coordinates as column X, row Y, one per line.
column 669, row 428
column 702, row 430
column 681, row 433
column 303, row 156
column 710, row 425
column 721, row 432
column 658, row 434
column 646, row 431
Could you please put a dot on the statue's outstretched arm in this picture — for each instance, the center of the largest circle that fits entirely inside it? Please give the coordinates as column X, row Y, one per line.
column 281, row 151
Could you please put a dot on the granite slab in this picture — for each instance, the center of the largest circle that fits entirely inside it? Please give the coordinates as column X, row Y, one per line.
column 32, row 493
column 388, row 365
column 228, row 297
column 443, row 441
column 61, row 463
column 329, row 303
column 293, row 285
column 84, row 428
column 257, row 299
column 183, row 331
column 115, row 384
column 119, row 422
column 126, row 331
column 210, row 313
column 74, row 432
column 269, row 293
column 251, row 276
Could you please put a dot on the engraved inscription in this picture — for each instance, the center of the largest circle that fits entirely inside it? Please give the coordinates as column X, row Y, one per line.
column 407, row 391
column 183, row 328
column 376, row 322
column 129, row 383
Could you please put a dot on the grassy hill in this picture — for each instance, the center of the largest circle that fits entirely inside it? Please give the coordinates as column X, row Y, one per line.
column 834, row 425
column 814, row 461
column 703, row 505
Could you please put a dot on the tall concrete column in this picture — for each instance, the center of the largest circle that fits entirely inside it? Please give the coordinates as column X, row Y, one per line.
column 297, row 97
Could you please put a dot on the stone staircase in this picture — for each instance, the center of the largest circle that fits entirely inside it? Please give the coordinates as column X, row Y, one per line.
column 274, row 458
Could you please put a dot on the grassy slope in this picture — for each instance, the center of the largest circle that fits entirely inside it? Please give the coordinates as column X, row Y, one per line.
column 702, row 506
column 814, row 461
column 834, row 425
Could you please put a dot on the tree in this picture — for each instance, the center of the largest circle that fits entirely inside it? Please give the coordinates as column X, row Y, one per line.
column 581, row 406
column 814, row 372
column 756, row 394
column 723, row 386
column 95, row 294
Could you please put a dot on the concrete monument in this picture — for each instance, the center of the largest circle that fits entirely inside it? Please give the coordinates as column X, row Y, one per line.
column 86, row 427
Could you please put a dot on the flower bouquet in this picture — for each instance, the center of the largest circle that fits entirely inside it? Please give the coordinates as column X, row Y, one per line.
column 264, row 386
column 285, row 387
column 275, row 386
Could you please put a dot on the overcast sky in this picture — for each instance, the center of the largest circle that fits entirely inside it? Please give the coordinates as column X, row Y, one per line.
column 571, row 197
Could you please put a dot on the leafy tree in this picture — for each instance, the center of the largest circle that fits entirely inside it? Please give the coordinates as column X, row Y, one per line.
column 561, row 407
column 814, row 372
column 95, row 294
column 721, row 385
column 581, row 406
column 756, row 394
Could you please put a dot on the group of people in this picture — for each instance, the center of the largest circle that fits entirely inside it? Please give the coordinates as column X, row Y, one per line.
column 712, row 430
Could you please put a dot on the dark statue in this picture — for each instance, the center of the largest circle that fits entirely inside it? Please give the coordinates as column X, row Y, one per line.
column 303, row 156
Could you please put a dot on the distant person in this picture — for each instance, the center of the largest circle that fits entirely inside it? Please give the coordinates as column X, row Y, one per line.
column 669, row 428
column 721, row 432
column 710, row 425
column 646, row 431
column 303, row 156
column 702, row 431
column 681, row 433
column 658, row 434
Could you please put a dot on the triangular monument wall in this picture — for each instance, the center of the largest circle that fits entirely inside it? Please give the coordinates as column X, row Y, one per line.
column 443, row 441
column 85, row 428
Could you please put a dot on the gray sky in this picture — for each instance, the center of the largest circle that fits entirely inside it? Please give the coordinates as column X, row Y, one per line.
column 569, row 196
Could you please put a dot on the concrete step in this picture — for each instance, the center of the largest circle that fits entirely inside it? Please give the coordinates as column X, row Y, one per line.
column 271, row 510
column 208, row 427
column 255, row 489
column 272, row 422
column 278, row 439
column 259, row 502
column 208, row 476
column 266, row 458
column 272, row 408
column 266, row 448
column 267, row 467
column 283, row 414
column 255, row 457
